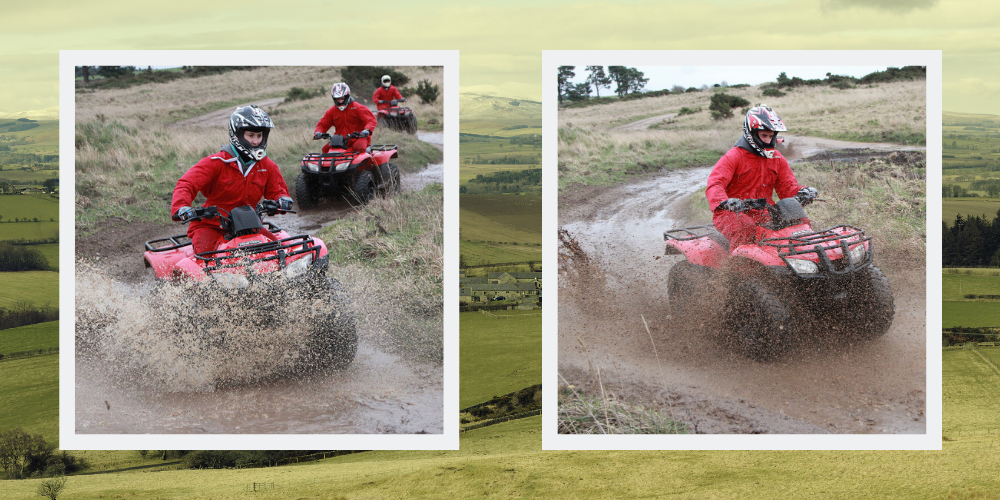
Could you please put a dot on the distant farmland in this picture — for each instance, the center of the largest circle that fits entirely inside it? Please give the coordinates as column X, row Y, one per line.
column 500, row 228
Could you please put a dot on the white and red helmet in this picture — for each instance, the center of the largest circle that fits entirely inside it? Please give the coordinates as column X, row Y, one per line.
column 762, row 117
column 341, row 94
column 249, row 118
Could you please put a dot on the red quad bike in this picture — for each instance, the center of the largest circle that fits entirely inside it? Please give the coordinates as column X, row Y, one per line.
column 256, row 270
column 397, row 118
column 794, row 282
column 356, row 175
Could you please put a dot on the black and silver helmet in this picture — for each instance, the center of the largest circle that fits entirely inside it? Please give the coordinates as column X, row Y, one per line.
column 341, row 94
column 253, row 119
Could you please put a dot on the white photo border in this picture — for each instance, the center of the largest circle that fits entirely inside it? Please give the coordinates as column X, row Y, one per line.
column 69, row 439
column 551, row 439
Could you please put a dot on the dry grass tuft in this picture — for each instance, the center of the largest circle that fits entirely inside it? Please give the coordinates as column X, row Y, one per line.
column 583, row 414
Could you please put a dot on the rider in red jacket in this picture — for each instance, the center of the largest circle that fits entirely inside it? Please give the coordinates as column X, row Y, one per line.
column 347, row 116
column 751, row 169
column 385, row 93
column 240, row 174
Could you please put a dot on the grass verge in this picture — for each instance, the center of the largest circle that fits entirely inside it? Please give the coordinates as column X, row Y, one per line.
column 584, row 414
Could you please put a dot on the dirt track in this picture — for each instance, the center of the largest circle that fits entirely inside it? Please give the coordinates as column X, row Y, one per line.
column 644, row 123
column 612, row 274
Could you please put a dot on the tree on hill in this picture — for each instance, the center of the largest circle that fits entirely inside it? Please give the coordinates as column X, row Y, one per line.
column 598, row 78
column 628, row 80
column 565, row 74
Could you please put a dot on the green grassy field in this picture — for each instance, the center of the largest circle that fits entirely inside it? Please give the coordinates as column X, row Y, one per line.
column 969, row 313
column 51, row 254
column 24, row 338
column 475, row 253
column 35, row 287
column 470, row 171
column 973, row 401
column 982, row 207
column 492, row 224
column 30, row 395
column 984, row 282
column 498, row 356
column 42, row 139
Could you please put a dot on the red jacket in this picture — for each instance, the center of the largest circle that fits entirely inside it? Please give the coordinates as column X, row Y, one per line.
column 354, row 118
column 385, row 94
column 219, row 178
column 745, row 175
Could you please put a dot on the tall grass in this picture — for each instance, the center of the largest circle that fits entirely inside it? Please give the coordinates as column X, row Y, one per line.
column 590, row 152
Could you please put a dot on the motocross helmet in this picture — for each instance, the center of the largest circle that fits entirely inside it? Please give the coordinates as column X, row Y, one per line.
column 341, row 94
column 253, row 119
column 386, row 81
column 761, row 117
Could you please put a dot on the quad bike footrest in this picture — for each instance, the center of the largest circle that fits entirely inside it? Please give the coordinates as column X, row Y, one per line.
column 173, row 243
column 214, row 260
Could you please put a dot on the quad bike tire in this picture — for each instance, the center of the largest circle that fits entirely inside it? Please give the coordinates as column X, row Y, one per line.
column 305, row 193
column 759, row 319
column 364, row 187
column 682, row 286
column 394, row 185
column 871, row 306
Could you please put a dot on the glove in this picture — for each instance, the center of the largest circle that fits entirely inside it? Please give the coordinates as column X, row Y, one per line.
column 184, row 214
column 380, row 101
column 807, row 194
column 401, row 99
column 284, row 203
column 732, row 204
column 269, row 207
column 364, row 133
column 317, row 136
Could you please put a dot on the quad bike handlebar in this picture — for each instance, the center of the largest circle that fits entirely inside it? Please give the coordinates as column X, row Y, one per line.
column 762, row 204
column 265, row 207
column 352, row 135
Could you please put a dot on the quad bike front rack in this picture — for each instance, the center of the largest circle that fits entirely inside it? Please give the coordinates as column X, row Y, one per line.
column 213, row 259
column 327, row 161
column 823, row 241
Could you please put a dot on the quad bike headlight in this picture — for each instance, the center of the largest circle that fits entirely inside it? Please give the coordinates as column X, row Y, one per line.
column 299, row 267
column 230, row 280
column 858, row 253
column 802, row 266
column 312, row 167
column 343, row 166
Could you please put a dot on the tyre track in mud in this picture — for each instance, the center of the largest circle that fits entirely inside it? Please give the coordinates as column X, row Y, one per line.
column 836, row 387
column 381, row 392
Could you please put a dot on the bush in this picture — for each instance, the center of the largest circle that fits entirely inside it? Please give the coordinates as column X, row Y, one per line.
column 52, row 487
column 719, row 116
column 723, row 104
column 428, row 93
column 299, row 94
column 688, row 111
column 772, row 92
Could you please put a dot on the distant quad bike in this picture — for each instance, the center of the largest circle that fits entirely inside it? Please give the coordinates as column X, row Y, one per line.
column 794, row 282
column 254, row 272
column 358, row 176
column 397, row 118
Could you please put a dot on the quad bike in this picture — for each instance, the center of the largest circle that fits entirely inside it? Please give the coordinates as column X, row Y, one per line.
column 254, row 277
column 356, row 175
column 794, row 282
column 397, row 118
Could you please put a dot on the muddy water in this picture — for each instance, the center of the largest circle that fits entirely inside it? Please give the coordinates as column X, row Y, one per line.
column 800, row 148
column 684, row 366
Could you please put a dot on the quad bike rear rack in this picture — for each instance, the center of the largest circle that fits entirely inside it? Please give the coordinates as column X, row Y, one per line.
column 822, row 242
column 382, row 147
column 213, row 260
column 327, row 161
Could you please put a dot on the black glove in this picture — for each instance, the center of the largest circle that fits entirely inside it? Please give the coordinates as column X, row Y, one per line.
column 732, row 204
column 364, row 133
column 317, row 136
column 401, row 99
column 285, row 203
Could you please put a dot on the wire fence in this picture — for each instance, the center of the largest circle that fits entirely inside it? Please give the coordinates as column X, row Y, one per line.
column 509, row 316
column 506, row 418
column 28, row 354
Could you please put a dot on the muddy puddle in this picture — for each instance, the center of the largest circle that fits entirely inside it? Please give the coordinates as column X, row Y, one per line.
column 614, row 317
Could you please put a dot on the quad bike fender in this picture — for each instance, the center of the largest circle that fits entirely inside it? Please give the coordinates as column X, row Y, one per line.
column 188, row 268
column 767, row 257
column 700, row 251
column 162, row 263
column 363, row 161
column 383, row 157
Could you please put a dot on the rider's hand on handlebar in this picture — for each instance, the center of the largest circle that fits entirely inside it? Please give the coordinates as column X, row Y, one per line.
column 364, row 133
column 317, row 136
column 184, row 214
column 732, row 204
column 284, row 203
column 806, row 195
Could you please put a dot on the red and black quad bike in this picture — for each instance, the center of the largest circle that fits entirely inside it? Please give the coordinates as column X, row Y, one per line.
column 358, row 176
column 254, row 276
column 793, row 283
column 397, row 118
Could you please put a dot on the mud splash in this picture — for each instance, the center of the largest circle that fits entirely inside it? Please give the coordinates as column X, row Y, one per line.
column 613, row 284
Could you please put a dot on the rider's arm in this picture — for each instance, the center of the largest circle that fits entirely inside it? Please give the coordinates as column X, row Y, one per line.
column 367, row 118
column 326, row 122
column 787, row 186
column 718, row 180
column 276, row 187
column 194, row 180
column 396, row 93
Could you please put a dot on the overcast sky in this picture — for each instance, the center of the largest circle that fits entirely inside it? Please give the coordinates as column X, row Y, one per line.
column 665, row 77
